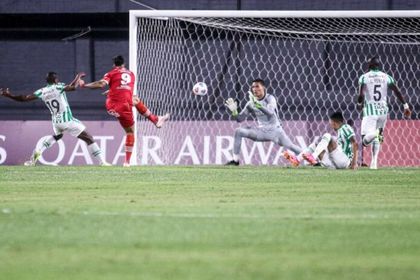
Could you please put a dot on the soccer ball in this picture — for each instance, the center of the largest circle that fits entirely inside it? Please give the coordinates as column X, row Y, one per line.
column 200, row 88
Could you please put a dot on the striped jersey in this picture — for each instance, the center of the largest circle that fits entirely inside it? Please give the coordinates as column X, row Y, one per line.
column 344, row 134
column 376, row 89
column 55, row 98
column 269, row 102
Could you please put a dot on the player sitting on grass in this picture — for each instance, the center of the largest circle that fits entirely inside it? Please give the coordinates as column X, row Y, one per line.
column 54, row 96
column 373, row 89
column 332, row 153
column 120, row 101
column 264, row 106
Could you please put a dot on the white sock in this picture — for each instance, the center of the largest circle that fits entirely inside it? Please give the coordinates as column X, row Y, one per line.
column 300, row 156
column 322, row 145
column 376, row 146
column 96, row 152
column 310, row 149
column 48, row 142
column 235, row 157
column 368, row 138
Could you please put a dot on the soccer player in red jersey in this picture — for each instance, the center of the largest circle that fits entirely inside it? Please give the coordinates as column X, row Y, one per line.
column 120, row 101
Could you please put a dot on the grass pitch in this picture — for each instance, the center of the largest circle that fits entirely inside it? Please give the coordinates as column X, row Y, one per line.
column 208, row 223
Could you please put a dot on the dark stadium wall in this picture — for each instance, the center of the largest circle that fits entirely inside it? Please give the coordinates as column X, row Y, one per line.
column 117, row 6
column 32, row 32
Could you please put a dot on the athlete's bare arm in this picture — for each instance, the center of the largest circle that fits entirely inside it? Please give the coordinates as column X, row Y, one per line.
column 361, row 97
column 398, row 94
column 96, row 84
column 19, row 98
column 75, row 83
column 355, row 148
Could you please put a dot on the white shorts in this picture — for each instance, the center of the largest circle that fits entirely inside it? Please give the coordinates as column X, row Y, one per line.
column 371, row 123
column 74, row 127
column 337, row 159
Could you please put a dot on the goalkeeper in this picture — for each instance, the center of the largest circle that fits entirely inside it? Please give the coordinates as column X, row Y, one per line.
column 264, row 107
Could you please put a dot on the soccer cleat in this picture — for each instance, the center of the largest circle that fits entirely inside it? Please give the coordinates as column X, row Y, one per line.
column 126, row 164
column 162, row 120
column 105, row 164
column 380, row 135
column 232, row 163
column 309, row 158
column 34, row 158
column 291, row 158
column 29, row 163
column 373, row 166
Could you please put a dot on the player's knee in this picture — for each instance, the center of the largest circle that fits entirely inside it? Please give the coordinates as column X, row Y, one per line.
column 89, row 141
column 129, row 129
column 364, row 141
column 326, row 137
column 58, row 137
column 86, row 137
column 240, row 132
column 129, row 140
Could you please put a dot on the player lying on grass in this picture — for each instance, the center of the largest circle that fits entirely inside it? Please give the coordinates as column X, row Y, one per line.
column 334, row 153
column 54, row 97
column 373, row 89
column 120, row 101
column 264, row 106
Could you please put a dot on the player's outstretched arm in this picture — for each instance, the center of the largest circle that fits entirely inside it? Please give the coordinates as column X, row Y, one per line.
column 397, row 92
column 96, row 84
column 355, row 148
column 75, row 83
column 232, row 105
column 269, row 110
column 243, row 114
column 19, row 98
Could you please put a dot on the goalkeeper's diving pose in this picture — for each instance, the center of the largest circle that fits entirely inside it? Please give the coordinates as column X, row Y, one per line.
column 264, row 107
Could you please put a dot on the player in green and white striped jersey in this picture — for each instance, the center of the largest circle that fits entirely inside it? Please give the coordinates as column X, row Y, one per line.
column 336, row 153
column 373, row 89
column 54, row 97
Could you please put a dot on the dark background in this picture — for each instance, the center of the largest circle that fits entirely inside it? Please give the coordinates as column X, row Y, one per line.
column 31, row 34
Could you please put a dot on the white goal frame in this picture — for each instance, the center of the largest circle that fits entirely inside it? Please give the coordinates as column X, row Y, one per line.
column 164, row 14
column 134, row 14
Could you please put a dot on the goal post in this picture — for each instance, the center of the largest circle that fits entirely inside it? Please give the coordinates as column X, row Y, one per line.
column 311, row 61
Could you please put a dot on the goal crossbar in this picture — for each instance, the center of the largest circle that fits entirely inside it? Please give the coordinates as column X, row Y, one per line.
column 273, row 14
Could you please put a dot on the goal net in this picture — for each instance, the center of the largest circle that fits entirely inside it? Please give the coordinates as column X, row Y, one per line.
column 310, row 61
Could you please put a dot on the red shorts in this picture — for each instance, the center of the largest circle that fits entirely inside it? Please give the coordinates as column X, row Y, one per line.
column 123, row 111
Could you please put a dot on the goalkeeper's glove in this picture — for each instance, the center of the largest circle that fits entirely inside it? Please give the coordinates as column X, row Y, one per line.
column 254, row 100
column 232, row 106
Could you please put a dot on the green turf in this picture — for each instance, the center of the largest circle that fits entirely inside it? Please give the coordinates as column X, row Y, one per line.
column 208, row 223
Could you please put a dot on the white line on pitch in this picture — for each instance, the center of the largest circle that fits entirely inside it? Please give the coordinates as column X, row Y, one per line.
column 224, row 216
